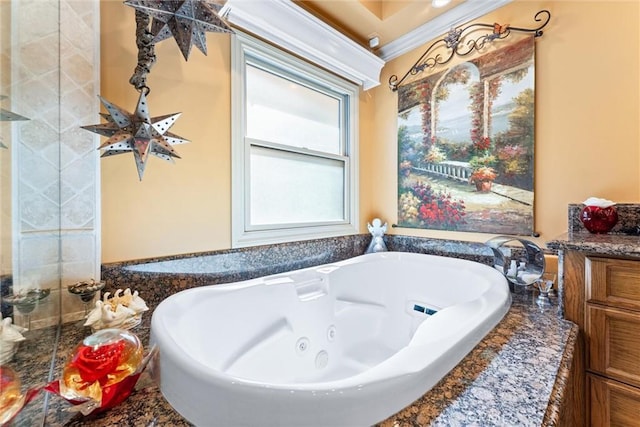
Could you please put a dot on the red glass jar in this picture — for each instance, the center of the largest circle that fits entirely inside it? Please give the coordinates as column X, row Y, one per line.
column 599, row 220
column 103, row 368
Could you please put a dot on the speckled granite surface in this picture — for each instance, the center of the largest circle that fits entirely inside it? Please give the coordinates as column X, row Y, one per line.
column 472, row 251
column 517, row 374
column 623, row 240
column 32, row 362
column 158, row 278
column 604, row 244
column 628, row 219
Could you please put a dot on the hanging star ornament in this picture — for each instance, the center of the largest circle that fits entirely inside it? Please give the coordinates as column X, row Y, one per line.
column 137, row 133
column 8, row 116
column 184, row 20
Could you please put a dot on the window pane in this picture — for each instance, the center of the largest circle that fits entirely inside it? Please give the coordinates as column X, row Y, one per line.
column 291, row 188
column 282, row 111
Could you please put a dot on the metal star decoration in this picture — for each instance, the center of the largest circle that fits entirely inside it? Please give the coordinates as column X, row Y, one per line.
column 8, row 116
column 185, row 20
column 137, row 133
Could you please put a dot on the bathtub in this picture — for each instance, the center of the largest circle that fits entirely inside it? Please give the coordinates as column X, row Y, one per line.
column 343, row 344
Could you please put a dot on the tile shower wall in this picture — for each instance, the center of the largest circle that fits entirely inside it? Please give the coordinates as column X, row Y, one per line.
column 55, row 165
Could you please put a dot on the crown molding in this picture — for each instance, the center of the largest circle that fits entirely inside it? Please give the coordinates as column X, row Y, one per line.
column 467, row 11
column 290, row 27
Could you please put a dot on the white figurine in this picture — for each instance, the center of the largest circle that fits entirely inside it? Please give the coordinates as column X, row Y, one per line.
column 123, row 310
column 134, row 302
column 513, row 269
column 377, row 230
column 10, row 336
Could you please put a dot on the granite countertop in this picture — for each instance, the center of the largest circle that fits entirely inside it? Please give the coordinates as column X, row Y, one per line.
column 605, row 244
column 623, row 240
column 515, row 376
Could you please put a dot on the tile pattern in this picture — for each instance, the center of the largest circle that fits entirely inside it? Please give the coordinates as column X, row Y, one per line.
column 55, row 81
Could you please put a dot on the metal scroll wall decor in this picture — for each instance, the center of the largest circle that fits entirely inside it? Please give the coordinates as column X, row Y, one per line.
column 187, row 21
column 466, row 132
column 464, row 41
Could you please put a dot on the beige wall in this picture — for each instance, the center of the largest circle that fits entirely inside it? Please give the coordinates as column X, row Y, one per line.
column 587, row 130
column 182, row 207
column 587, row 111
column 177, row 208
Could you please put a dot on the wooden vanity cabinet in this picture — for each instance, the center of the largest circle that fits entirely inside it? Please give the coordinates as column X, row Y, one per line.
column 612, row 403
column 614, row 344
column 602, row 295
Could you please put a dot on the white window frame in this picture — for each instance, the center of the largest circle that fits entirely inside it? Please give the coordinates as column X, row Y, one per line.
column 245, row 48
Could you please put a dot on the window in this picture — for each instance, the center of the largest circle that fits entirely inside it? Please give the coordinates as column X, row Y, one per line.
column 294, row 148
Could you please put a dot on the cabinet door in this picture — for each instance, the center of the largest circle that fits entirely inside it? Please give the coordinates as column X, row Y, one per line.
column 612, row 403
column 613, row 282
column 614, row 344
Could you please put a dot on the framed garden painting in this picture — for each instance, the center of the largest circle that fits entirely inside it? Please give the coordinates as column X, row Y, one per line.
column 466, row 144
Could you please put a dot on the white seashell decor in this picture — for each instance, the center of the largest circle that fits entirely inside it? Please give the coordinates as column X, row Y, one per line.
column 123, row 310
column 10, row 337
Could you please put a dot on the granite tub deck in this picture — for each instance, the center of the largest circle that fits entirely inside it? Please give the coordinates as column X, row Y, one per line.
column 602, row 244
column 518, row 371
column 516, row 376
column 32, row 362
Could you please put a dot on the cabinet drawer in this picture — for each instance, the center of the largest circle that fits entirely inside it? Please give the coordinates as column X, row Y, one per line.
column 613, row 282
column 612, row 403
column 614, row 343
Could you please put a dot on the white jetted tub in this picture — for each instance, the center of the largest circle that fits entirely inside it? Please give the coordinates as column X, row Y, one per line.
column 343, row 344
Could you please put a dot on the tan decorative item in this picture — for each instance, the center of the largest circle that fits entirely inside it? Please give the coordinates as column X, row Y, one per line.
column 123, row 310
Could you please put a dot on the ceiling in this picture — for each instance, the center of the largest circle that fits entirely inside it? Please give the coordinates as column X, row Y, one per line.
column 363, row 19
